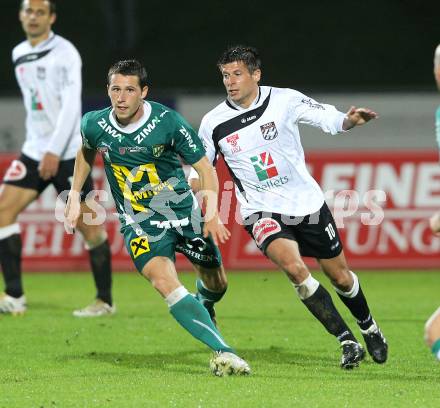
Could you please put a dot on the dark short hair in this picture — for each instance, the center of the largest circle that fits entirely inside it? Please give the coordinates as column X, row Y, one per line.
column 52, row 6
column 129, row 67
column 248, row 55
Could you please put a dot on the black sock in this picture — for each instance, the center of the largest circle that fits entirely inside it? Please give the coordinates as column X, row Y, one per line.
column 100, row 261
column 10, row 259
column 321, row 306
column 358, row 307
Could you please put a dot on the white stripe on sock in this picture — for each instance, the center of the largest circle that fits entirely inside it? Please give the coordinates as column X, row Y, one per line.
column 353, row 291
column 6, row 232
column 176, row 295
column 307, row 287
column 212, row 331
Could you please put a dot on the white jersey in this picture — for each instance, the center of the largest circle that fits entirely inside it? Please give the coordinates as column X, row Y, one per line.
column 49, row 76
column 262, row 149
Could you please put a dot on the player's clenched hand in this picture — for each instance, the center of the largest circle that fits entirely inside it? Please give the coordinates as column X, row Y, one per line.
column 72, row 212
column 358, row 116
column 48, row 166
column 215, row 228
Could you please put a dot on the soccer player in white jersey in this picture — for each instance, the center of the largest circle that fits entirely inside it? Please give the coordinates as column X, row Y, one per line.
column 48, row 71
column 256, row 131
column 432, row 327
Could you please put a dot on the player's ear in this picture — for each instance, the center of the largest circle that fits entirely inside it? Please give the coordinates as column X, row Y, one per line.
column 144, row 92
column 256, row 75
column 53, row 18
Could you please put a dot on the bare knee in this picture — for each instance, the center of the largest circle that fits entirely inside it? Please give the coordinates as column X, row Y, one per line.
column 342, row 279
column 162, row 275
column 432, row 328
column 94, row 235
column 295, row 269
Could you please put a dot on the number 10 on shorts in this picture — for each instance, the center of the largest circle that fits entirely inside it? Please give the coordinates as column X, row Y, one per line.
column 330, row 231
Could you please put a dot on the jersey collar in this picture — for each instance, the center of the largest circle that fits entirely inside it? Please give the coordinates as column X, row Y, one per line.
column 44, row 43
column 233, row 105
column 132, row 127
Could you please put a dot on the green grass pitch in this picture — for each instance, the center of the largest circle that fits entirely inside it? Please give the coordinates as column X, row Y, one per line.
column 141, row 358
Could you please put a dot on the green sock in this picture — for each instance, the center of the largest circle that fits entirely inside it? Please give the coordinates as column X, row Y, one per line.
column 436, row 349
column 193, row 317
column 207, row 297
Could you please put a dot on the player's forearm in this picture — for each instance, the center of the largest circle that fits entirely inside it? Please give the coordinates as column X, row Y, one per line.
column 83, row 166
column 347, row 124
column 208, row 185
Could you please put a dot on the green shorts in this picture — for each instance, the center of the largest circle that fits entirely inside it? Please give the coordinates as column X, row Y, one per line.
column 144, row 241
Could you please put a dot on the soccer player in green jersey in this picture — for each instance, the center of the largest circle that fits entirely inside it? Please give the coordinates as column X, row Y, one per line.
column 141, row 142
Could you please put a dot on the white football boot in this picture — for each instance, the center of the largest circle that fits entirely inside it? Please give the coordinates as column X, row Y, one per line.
column 226, row 363
column 96, row 309
column 12, row 305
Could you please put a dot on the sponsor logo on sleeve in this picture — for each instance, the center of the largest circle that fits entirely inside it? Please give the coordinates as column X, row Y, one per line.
column 263, row 229
column 312, row 104
column 188, row 138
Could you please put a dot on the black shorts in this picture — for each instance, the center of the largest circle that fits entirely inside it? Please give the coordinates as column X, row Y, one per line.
column 23, row 172
column 316, row 234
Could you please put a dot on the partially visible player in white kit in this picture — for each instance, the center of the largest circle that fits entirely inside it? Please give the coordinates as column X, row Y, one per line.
column 256, row 131
column 432, row 327
column 48, row 71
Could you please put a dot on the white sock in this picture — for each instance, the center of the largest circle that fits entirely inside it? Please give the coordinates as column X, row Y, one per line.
column 354, row 289
column 307, row 287
column 176, row 295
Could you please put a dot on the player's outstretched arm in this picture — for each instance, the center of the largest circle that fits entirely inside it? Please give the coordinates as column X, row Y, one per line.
column 357, row 117
column 83, row 165
column 208, row 183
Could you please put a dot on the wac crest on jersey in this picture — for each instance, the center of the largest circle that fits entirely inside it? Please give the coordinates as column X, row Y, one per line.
column 269, row 131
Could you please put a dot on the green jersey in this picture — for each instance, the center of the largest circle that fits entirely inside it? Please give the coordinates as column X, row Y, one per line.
column 142, row 163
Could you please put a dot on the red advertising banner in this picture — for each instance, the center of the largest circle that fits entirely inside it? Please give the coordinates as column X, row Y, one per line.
column 381, row 202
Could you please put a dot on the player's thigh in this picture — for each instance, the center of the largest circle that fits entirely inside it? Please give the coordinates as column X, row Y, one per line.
column 13, row 200
column 161, row 272
column 143, row 244
column 284, row 252
column 278, row 242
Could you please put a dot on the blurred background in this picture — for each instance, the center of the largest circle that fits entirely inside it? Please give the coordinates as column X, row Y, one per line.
column 377, row 54
column 327, row 50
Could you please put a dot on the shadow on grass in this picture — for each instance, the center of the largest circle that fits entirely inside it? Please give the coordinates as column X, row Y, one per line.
column 189, row 361
column 303, row 365
column 192, row 360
